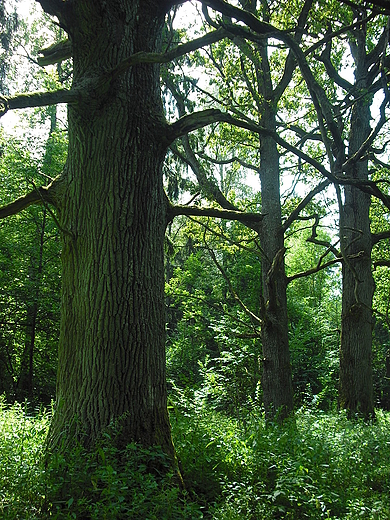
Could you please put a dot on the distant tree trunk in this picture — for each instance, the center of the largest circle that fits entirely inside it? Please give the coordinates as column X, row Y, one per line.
column 25, row 385
column 113, row 215
column 356, row 384
column 25, row 388
column 276, row 374
column 386, row 391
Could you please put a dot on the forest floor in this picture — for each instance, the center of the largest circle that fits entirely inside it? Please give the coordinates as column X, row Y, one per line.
column 319, row 465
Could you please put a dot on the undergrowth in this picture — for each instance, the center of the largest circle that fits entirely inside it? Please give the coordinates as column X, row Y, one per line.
column 320, row 465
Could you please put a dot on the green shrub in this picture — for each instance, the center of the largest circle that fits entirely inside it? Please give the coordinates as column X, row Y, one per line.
column 318, row 465
column 22, row 437
column 133, row 483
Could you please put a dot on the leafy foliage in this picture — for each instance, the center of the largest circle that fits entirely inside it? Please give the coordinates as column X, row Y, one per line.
column 8, row 26
column 29, row 277
column 321, row 465
column 104, row 484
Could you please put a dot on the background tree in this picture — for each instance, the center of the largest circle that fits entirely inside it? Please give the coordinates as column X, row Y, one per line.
column 241, row 83
column 29, row 253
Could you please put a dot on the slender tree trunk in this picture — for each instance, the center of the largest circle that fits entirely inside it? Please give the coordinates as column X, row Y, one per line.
column 276, row 376
column 276, row 373
column 276, row 370
column 386, row 391
column 26, row 378
column 112, row 337
column 356, row 385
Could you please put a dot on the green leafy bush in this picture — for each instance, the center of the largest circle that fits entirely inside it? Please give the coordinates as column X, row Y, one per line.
column 318, row 465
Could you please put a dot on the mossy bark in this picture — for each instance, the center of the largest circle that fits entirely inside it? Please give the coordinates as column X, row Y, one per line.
column 113, row 217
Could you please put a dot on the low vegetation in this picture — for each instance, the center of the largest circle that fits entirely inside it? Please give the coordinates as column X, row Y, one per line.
column 320, row 465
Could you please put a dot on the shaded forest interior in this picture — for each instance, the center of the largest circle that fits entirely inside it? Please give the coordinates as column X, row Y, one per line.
column 194, row 255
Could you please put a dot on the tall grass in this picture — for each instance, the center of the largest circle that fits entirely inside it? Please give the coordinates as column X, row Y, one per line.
column 320, row 465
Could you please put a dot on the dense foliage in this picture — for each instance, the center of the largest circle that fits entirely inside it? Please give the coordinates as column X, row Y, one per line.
column 235, row 464
column 319, row 466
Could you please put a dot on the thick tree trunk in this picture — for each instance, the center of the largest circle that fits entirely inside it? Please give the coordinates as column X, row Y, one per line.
column 112, row 338
column 356, row 386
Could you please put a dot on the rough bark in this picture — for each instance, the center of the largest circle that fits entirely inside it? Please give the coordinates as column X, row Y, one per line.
column 356, row 387
column 113, row 212
column 276, row 375
column 276, row 371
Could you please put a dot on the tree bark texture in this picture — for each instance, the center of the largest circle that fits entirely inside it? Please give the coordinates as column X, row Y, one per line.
column 113, row 216
column 276, row 374
column 356, row 386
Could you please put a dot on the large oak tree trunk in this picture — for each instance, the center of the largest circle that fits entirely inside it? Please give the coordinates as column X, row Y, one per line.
column 113, row 216
column 356, row 387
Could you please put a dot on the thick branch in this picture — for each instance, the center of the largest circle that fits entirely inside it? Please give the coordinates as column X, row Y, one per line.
column 192, row 122
column 381, row 263
column 177, row 52
column 325, row 57
column 43, row 194
column 370, row 139
column 55, row 53
column 59, row 8
column 20, row 204
column 383, row 4
column 37, row 99
column 304, row 202
column 248, row 18
column 290, row 63
column 377, row 237
column 313, row 270
column 194, row 211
